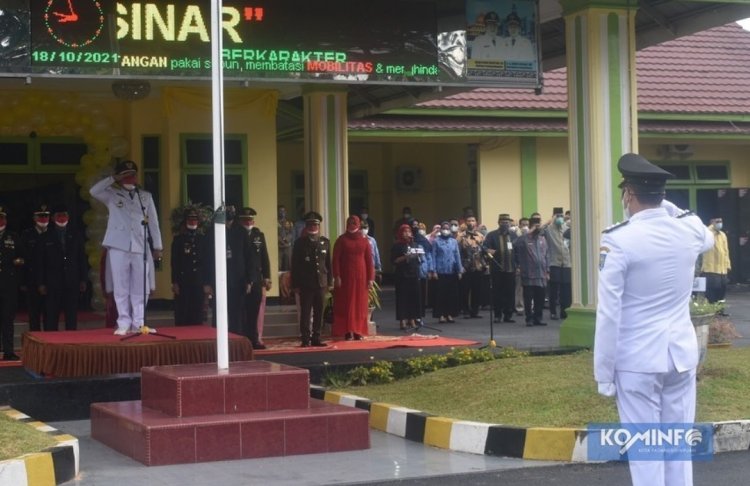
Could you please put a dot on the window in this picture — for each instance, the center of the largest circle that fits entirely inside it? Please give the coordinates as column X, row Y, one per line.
column 197, row 169
column 358, row 195
column 42, row 154
column 151, row 161
column 14, row 153
column 696, row 185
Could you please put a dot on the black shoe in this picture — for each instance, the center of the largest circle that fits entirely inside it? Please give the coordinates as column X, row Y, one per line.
column 305, row 344
column 317, row 343
column 258, row 345
column 540, row 323
column 475, row 316
column 508, row 319
column 498, row 320
column 358, row 337
column 529, row 323
column 348, row 336
column 553, row 317
column 11, row 357
column 563, row 315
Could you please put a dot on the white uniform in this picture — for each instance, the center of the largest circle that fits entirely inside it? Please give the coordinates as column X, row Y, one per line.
column 124, row 241
column 645, row 343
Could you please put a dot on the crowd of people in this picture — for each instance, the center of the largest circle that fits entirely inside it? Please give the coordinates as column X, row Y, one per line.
column 460, row 268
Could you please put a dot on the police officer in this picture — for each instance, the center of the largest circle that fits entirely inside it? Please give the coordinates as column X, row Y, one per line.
column 645, row 349
column 10, row 259
column 238, row 271
column 131, row 211
column 35, row 302
column 189, row 249
column 311, row 278
column 61, row 271
column 260, row 275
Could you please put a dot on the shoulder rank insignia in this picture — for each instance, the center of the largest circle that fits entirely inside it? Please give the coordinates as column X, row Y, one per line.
column 685, row 213
column 615, row 226
column 603, row 252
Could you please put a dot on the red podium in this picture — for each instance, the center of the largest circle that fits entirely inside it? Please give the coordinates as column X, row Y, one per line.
column 194, row 413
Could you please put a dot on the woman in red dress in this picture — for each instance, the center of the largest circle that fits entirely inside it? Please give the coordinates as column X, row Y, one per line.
column 353, row 275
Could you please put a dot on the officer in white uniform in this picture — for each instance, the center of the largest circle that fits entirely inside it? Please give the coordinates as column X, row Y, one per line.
column 645, row 349
column 131, row 209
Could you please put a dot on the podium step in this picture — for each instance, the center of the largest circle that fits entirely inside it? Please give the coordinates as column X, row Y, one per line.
column 198, row 413
column 154, row 438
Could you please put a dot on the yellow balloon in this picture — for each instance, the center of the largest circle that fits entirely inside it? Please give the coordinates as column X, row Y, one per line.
column 94, row 259
column 84, row 193
column 89, row 217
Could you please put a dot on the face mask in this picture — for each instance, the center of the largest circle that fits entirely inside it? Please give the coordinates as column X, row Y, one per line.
column 61, row 222
column 559, row 221
column 128, row 187
column 454, row 228
column 364, row 215
column 718, row 226
column 2, row 226
column 364, row 231
column 445, row 232
column 470, row 226
column 192, row 227
column 422, row 232
column 524, row 229
column 407, row 215
column 42, row 224
column 312, row 230
column 248, row 225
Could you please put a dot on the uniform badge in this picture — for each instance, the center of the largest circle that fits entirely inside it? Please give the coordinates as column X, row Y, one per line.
column 119, row 204
column 603, row 251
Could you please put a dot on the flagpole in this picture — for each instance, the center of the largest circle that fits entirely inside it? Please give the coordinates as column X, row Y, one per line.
column 220, row 256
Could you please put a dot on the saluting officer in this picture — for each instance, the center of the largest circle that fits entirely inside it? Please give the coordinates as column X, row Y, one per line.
column 645, row 349
column 131, row 211
column 10, row 259
column 260, row 275
column 61, row 271
column 189, row 249
column 29, row 238
column 311, row 278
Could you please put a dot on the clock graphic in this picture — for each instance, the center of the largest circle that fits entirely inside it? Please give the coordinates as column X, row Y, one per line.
column 74, row 23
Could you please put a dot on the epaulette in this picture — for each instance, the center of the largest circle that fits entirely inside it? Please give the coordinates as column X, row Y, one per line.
column 685, row 213
column 610, row 229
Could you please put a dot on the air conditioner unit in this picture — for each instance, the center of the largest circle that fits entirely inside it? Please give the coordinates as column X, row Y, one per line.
column 679, row 150
column 408, row 178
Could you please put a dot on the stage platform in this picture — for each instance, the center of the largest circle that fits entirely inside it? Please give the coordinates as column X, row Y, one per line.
column 97, row 352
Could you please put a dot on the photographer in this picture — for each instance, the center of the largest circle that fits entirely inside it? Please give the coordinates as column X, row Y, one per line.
column 406, row 256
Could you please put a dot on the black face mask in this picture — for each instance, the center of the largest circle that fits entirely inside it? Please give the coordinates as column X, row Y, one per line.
column 504, row 227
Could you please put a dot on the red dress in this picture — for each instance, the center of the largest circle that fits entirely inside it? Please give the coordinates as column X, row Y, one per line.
column 352, row 263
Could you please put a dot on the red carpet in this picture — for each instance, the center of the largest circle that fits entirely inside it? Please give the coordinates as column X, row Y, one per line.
column 99, row 352
column 287, row 345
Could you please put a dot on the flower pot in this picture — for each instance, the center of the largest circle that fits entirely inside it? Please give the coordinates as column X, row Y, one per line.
column 701, row 323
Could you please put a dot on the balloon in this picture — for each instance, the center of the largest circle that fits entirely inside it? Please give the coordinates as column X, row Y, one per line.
column 88, row 217
column 94, row 260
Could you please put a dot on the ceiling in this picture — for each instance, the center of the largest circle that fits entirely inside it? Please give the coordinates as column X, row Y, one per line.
column 656, row 21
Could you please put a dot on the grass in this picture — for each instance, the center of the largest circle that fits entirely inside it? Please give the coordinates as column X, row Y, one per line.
column 553, row 391
column 17, row 438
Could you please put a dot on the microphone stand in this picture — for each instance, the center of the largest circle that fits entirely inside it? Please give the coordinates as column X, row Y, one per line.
column 147, row 246
column 491, row 261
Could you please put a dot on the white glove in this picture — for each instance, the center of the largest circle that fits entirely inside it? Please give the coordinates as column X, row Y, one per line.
column 607, row 389
column 671, row 208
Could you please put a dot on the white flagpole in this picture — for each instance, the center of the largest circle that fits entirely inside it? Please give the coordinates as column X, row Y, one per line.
column 220, row 252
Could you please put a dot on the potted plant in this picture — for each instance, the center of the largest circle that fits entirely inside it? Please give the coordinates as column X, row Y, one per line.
column 721, row 332
column 373, row 299
column 702, row 313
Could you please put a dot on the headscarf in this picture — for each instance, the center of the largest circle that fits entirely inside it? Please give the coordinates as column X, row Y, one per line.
column 353, row 223
column 401, row 235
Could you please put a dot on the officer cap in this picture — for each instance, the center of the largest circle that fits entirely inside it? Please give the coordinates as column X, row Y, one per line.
column 125, row 166
column 503, row 217
column 247, row 213
column 42, row 210
column 642, row 175
column 491, row 17
column 313, row 217
column 513, row 18
column 59, row 208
